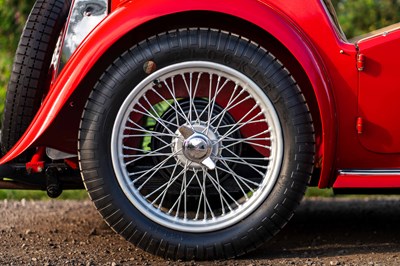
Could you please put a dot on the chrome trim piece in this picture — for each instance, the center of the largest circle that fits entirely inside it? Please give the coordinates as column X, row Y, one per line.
column 382, row 32
column 331, row 12
column 85, row 15
column 58, row 155
column 375, row 172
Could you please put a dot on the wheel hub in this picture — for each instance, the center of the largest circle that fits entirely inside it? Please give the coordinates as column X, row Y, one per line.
column 197, row 147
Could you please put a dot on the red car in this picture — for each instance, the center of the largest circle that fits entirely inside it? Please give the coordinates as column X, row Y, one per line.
column 196, row 126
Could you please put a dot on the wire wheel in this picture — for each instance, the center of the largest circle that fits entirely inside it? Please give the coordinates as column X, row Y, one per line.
column 196, row 146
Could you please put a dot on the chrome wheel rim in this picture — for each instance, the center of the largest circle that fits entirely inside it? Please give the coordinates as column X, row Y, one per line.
column 185, row 141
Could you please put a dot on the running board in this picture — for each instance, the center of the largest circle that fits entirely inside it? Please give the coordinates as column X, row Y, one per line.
column 368, row 179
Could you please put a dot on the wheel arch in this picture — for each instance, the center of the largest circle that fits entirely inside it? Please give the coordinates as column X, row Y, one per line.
column 277, row 34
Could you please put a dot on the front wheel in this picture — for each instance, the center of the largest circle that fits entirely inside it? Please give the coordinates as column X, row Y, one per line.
column 31, row 73
column 196, row 144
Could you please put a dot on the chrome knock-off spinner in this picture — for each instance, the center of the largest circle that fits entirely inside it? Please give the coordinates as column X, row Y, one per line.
column 197, row 147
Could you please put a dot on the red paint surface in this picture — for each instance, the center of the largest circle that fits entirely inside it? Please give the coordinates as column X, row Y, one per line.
column 360, row 181
column 379, row 93
column 36, row 165
column 329, row 61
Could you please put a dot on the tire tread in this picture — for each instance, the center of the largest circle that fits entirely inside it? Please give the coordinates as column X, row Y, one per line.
column 273, row 78
column 30, row 69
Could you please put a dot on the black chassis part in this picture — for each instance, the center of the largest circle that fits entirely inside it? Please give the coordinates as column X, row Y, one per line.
column 15, row 176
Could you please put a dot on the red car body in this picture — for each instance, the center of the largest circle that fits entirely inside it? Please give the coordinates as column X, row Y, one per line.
column 355, row 110
column 350, row 87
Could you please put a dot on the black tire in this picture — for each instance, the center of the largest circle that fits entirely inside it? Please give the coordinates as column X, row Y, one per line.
column 30, row 77
column 137, row 225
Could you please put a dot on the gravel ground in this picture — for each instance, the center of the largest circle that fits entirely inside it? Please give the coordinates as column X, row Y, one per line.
column 336, row 231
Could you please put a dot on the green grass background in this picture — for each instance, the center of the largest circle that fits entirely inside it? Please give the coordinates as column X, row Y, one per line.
column 41, row 195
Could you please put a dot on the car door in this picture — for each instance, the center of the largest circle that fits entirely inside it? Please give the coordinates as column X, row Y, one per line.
column 378, row 63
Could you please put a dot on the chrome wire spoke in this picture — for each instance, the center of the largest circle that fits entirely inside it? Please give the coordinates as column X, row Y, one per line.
column 156, row 118
column 178, row 200
column 159, row 119
column 182, row 193
column 141, row 156
column 155, row 134
column 209, row 113
column 206, row 203
column 220, row 192
column 185, row 197
column 189, row 88
column 142, row 129
column 203, row 198
column 199, row 200
column 248, row 140
column 230, row 105
column 212, row 101
column 230, row 101
column 243, row 123
column 173, row 96
column 242, row 162
column 206, row 108
column 143, row 171
column 154, row 169
column 145, row 155
column 252, row 137
column 214, row 182
column 141, row 150
column 241, row 178
column 148, row 154
column 239, row 127
column 181, row 113
column 194, row 96
column 234, row 175
column 236, row 126
column 244, row 158
column 164, row 193
column 150, row 133
column 167, row 185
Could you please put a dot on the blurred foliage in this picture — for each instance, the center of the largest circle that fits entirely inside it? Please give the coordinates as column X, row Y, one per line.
column 13, row 14
column 362, row 16
column 317, row 192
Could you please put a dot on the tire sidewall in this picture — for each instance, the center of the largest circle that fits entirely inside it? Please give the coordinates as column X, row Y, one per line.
column 242, row 234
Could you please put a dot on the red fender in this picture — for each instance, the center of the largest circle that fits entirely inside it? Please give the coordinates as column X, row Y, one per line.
column 132, row 14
